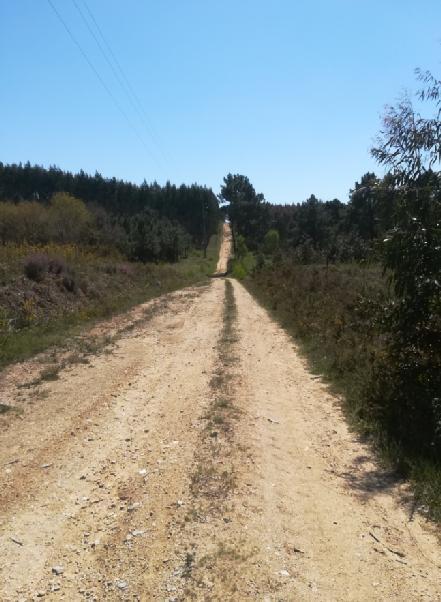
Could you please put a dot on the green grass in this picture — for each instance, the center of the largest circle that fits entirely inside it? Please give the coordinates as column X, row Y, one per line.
column 243, row 267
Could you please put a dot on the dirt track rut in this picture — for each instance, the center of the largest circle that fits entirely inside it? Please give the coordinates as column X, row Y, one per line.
column 196, row 458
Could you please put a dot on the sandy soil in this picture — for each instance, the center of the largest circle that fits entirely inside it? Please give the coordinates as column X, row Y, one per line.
column 196, row 458
column 225, row 251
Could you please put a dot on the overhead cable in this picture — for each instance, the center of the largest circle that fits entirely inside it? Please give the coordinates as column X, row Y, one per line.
column 98, row 76
column 119, row 73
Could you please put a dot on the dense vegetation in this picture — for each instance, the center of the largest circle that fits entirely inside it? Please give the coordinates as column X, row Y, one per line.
column 146, row 222
column 76, row 247
column 359, row 284
column 314, row 231
column 48, row 292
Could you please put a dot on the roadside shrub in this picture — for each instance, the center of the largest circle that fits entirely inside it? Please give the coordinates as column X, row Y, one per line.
column 241, row 249
column 126, row 269
column 69, row 283
column 57, row 266
column 239, row 271
column 69, row 219
column 260, row 262
column 110, row 268
column 24, row 221
column 271, row 241
column 243, row 266
column 36, row 266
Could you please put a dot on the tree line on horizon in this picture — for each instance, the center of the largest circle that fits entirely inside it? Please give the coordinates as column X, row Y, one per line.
column 147, row 222
column 317, row 231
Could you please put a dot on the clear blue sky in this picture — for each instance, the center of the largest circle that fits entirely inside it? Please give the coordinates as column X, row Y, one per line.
column 286, row 92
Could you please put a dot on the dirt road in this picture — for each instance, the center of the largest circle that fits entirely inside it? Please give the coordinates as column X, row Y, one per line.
column 193, row 457
column 225, row 251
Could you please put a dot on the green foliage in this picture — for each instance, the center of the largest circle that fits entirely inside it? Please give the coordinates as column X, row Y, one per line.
column 195, row 208
column 409, row 144
column 271, row 241
column 241, row 247
column 69, row 219
column 405, row 394
column 238, row 271
column 363, row 207
column 171, row 222
column 65, row 220
column 152, row 238
column 246, row 209
column 316, row 231
column 243, row 266
column 23, row 222
column 260, row 261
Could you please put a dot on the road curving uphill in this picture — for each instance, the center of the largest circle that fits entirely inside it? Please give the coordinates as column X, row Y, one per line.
column 224, row 252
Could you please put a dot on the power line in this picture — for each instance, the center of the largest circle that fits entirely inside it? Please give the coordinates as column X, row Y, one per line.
column 97, row 75
column 119, row 73
column 105, row 55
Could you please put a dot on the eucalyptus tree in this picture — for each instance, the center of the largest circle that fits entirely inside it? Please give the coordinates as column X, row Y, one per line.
column 408, row 377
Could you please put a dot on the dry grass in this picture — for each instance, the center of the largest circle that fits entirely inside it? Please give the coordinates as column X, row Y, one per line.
column 334, row 315
column 38, row 315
